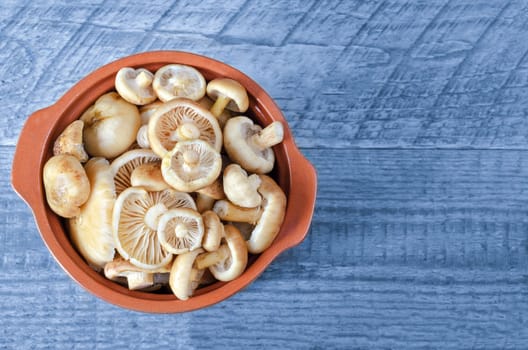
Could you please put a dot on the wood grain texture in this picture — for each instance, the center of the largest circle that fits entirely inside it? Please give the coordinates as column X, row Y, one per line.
column 413, row 113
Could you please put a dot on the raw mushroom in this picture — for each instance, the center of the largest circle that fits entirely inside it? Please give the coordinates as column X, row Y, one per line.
column 249, row 145
column 66, row 185
column 146, row 111
column 177, row 80
column 91, row 230
column 204, row 202
column 228, row 211
column 213, row 231
column 110, row 126
column 124, row 165
column 184, row 276
column 135, row 85
column 142, row 137
column 181, row 230
column 120, row 270
column 136, row 217
column 240, row 188
column 191, row 165
column 222, row 118
column 227, row 93
column 230, row 260
column 182, row 120
column 206, row 196
column 70, row 141
column 273, row 211
column 149, row 177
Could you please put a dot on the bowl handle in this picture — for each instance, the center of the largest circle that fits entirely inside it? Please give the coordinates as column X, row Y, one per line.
column 25, row 173
column 302, row 199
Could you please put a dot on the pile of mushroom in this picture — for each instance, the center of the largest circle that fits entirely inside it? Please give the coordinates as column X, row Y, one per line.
column 163, row 181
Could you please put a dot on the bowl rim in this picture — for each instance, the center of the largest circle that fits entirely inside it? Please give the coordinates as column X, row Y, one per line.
column 38, row 130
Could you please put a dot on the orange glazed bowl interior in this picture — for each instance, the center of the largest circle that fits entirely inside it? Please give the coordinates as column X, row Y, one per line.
column 295, row 175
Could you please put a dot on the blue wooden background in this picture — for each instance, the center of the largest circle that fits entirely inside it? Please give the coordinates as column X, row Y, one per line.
column 414, row 114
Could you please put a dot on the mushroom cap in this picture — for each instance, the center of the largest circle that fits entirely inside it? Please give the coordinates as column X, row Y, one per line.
column 182, row 120
column 146, row 111
column 66, row 185
column 191, row 165
column 122, row 271
column 70, row 141
column 214, row 190
column 213, row 231
column 239, row 145
column 232, row 89
column 273, row 211
column 135, row 85
column 240, row 188
column 110, row 126
column 124, row 165
column 91, row 230
column 136, row 219
column 236, row 261
column 142, row 137
column 149, row 177
column 181, row 230
column 178, row 80
column 184, row 276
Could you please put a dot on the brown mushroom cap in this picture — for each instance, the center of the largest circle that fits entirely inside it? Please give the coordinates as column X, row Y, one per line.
column 184, row 276
column 240, row 188
column 249, row 145
column 273, row 211
column 227, row 93
column 70, row 141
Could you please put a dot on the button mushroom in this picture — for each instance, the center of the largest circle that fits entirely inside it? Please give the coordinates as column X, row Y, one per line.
column 227, row 93
column 230, row 260
column 136, row 216
column 178, row 80
column 70, row 141
column 135, row 85
column 249, row 145
column 181, row 230
column 66, row 185
column 124, row 165
column 184, row 276
column 110, row 126
column 91, row 230
column 191, row 165
column 213, row 231
column 273, row 211
column 122, row 271
column 240, row 188
column 267, row 217
column 149, row 177
column 182, row 120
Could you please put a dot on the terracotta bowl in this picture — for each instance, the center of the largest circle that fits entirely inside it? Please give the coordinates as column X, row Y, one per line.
column 293, row 172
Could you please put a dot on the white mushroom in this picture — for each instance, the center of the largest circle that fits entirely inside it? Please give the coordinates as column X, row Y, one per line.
column 122, row 271
column 230, row 260
column 213, row 231
column 135, row 85
column 70, row 141
column 240, row 188
column 249, row 145
column 184, row 276
column 148, row 176
column 227, row 93
column 178, row 80
column 66, row 185
column 110, row 126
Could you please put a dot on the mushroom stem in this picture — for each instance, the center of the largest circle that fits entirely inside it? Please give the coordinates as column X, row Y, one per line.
column 220, row 104
column 204, row 202
column 139, row 280
column 191, row 158
column 153, row 215
column 205, row 260
column 270, row 136
column 180, row 230
column 143, row 79
column 227, row 211
column 142, row 137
